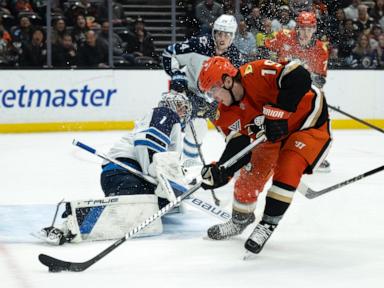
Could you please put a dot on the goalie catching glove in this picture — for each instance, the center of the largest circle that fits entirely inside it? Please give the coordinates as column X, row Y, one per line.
column 164, row 167
column 274, row 121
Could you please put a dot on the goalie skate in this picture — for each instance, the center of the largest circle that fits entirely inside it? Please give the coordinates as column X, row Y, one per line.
column 53, row 236
column 234, row 226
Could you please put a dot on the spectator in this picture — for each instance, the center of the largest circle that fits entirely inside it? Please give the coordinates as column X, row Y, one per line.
column 298, row 6
column 245, row 41
column 5, row 34
column 254, row 20
column 321, row 11
column 58, row 30
column 376, row 31
column 21, row 6
column 94, row 53
column 79, row 31
column 22, row 34
column 351, row 12
column 284, row 20
column 265, row 33
column 84, row 7
column 34, row 54
column 363, row 23
column 335, row 26
column 118, row 18
column 7, row 52
column 362, row 55
column 117, row 43
column 206, row 13
column 4, row 8
column 378, row 53
column 347, row 40
column 64, row 52
column 269, row 8
column 377, row 12
column 140, row 48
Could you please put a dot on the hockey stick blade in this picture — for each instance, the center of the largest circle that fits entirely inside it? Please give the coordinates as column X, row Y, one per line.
column 311, row 194
column 56, row 265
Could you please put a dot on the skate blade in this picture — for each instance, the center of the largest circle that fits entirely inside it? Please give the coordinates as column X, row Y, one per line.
column 43, row 238
column 249, row 255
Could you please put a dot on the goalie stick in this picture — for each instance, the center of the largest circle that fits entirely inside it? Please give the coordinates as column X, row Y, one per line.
column 196, row 202
column 215, row 199
column 311, row 194
column 57, row 265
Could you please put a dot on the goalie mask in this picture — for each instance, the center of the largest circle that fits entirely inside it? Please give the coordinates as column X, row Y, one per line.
column 179, row 103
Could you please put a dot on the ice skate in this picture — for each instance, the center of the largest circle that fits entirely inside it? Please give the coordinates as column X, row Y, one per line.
column 325, row 167
column 259, row 237
column 235, row 226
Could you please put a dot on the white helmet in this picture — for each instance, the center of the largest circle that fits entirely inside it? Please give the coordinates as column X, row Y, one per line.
column 225, row 23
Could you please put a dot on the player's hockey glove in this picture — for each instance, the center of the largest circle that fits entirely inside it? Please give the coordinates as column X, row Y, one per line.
column 214, row 176
column 276, row 122
column 179, row 82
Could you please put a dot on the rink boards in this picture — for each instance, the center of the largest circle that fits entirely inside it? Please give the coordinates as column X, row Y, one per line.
column 80, row 100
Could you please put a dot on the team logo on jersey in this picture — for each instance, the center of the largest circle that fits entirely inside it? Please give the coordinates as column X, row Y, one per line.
column 248, row 70
column 235, row 126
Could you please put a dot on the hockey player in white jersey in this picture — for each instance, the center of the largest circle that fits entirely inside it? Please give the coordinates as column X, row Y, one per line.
column 183, row 62
column 154, row 147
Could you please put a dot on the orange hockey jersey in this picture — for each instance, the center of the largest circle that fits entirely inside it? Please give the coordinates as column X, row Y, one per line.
column 267, row 82
column 314, row 57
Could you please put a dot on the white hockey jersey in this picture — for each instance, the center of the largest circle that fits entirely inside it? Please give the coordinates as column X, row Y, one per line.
column 159, row 131
column 188, row 57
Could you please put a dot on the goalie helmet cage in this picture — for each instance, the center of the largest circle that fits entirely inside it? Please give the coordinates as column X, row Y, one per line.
column 57, row 265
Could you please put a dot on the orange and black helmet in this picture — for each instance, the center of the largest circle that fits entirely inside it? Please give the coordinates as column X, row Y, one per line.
column 306, row 19
column 212, row 72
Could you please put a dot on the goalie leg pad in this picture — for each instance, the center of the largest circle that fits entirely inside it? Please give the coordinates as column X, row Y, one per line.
column 112, row 217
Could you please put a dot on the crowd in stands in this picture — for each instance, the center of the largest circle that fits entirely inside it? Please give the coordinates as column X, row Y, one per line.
column 352, row 29
column 79, row 35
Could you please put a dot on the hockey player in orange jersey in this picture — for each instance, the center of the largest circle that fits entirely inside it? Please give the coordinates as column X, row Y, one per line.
column 278, row 99
column 302, row 44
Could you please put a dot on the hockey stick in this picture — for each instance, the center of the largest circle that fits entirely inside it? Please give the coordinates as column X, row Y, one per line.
column 194, row 201
column 355, row 118
column 215, row 199
column 56, row 265
column 311, row 194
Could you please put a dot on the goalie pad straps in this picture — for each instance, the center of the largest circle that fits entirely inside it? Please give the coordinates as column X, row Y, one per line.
column 111, row 217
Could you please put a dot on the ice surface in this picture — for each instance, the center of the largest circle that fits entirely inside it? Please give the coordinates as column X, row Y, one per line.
column 336, row 240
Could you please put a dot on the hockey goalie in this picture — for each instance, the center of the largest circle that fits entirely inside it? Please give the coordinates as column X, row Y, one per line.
column 153, row 148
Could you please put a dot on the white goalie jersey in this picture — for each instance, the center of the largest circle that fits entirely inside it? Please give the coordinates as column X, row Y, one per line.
column 159, row 131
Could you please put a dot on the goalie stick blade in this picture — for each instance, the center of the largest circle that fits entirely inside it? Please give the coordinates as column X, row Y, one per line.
column 56, row 265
